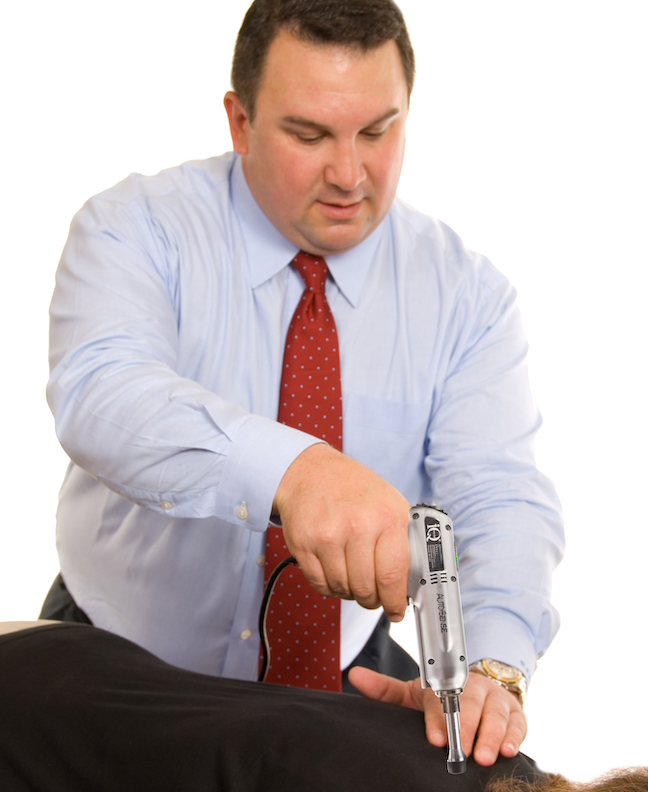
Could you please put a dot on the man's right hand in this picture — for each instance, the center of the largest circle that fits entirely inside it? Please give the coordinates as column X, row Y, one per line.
column 347, row 528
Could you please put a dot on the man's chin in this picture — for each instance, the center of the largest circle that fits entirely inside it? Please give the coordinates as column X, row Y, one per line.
column 334, row 239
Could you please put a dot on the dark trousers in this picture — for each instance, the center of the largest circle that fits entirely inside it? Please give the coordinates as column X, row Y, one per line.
column 381, row 653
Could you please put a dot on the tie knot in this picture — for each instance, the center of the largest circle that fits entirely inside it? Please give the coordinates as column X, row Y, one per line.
column 313, row 270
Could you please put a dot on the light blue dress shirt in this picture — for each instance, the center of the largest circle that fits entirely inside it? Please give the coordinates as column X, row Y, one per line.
column 171, row 307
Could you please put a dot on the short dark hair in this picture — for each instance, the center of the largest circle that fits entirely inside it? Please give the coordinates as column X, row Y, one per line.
column 361, row 24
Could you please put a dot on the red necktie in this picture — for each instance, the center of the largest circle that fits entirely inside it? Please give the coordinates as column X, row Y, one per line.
column 303, row 627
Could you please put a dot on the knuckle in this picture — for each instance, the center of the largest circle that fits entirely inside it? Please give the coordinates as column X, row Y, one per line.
column 328, row 540
column 357, row 528
column 471, row 701
column 370, row 603
column 336, row 581
column 320, row 586
column 470, row 721
column 518, row 724
column 364, row 592
column 391, row 578
column 498, row 719
column 497, row 708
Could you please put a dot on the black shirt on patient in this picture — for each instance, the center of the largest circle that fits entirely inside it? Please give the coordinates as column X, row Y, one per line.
column 82, row 710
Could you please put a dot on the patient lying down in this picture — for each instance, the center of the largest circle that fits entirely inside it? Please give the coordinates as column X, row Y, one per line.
column 83, row 709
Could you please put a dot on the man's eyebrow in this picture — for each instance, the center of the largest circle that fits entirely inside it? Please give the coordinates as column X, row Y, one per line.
column 305, row 122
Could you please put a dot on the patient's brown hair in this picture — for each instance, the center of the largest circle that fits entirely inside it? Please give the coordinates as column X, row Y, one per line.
column 632, row 779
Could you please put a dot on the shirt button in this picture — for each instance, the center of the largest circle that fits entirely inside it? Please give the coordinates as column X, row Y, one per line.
column 261, row 561
column 246, row 634
column 166, row 505
column 241, row 511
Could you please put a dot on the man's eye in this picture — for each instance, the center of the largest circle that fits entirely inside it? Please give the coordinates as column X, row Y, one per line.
column 374, row 134
column 308, row 138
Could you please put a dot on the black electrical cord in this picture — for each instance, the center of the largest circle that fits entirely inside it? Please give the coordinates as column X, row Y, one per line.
column 265, row 647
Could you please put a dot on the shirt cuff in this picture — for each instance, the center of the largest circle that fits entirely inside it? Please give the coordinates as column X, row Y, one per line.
column 263, row 451
column 499, row 637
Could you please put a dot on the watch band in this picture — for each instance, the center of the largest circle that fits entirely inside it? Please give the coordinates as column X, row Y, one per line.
column 507, row 676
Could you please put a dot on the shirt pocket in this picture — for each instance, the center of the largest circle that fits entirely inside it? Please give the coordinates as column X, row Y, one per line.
column 390, row 437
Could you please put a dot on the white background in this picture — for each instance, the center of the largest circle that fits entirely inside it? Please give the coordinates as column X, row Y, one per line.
column 527, row 134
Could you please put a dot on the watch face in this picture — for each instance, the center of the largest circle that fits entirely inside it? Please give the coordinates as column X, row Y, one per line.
column 504, row 673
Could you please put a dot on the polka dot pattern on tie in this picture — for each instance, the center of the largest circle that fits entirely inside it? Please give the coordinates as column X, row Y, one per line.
column 303, row 627
column 311, row 396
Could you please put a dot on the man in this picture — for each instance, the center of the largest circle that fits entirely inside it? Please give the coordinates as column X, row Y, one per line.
column 173, row 302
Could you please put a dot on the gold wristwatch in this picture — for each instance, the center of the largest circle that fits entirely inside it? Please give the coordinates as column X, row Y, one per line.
column 507, row 676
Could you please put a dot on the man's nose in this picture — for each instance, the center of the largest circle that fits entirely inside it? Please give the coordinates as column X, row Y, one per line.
column 345, row 169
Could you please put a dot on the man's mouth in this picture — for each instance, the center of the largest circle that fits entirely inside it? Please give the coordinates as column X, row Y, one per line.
column 340, row 210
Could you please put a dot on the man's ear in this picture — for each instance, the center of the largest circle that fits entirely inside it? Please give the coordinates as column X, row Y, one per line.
column 238, row 122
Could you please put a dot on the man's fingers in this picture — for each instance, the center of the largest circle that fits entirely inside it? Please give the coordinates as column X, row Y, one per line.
column 487, row 710
column 435, row 725
column 333, row 560
column 385, row 688
column 392, row 567
column 362, row 574
column 503, row 727
column 472, row 706
column 515, row 734
column 350, row 575
column 404, row 694
column 359, row 536
column 315, row 574
column 494, row 716
column 350, row 572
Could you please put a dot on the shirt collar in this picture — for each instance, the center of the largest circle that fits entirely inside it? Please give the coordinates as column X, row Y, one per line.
column 269, row 251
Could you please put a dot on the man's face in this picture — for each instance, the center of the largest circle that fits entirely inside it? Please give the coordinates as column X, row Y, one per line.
column 324, row 153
